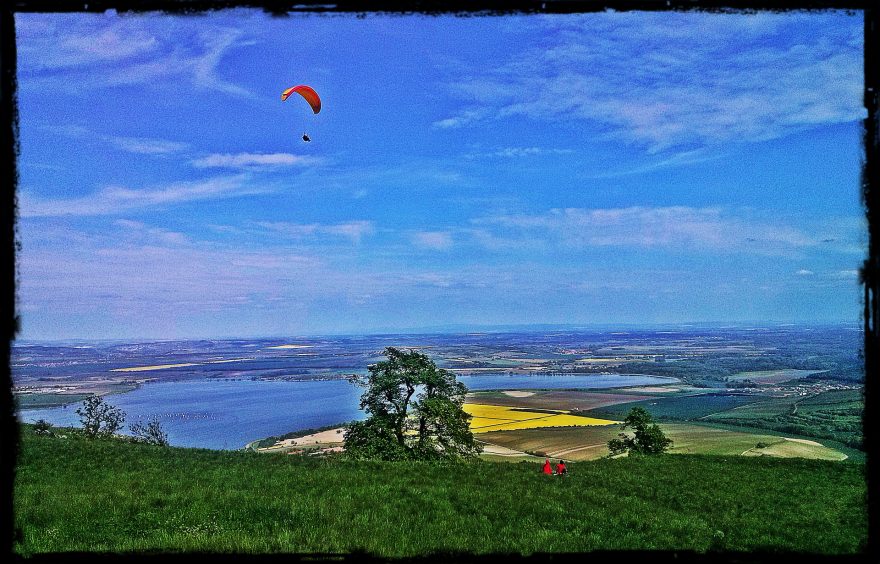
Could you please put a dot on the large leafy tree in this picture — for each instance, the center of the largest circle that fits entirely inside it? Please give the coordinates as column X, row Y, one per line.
column 414, row 411
column 648, row 438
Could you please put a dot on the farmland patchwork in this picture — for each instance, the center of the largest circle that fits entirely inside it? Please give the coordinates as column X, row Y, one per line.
column 501, row 418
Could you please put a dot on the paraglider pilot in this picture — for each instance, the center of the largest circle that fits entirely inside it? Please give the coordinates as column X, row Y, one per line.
column 306, row 137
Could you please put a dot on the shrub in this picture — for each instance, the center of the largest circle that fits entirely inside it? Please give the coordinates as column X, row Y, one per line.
column 151, row 433
column 99, row 418
column 42, row 427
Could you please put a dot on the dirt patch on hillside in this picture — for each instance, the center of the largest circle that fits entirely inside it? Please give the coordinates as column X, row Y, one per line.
column 324, row 437
column 804, row 441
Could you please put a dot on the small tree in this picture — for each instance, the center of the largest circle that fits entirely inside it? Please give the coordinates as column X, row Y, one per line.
column 414, row 412
column 99, row 418
column 151, row 433
column 648, row 439
column 42, row 427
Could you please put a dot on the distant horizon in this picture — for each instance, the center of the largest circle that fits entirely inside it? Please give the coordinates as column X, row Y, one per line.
column 540, row 328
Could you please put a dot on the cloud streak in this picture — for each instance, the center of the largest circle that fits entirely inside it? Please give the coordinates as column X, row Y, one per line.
column 254, row 160
column 113, row 200
column 433, row 240
column 352, row 230
column 674, row 227
column 134, row 145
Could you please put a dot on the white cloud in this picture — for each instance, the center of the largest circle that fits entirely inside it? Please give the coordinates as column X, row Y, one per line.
column 518, row 152
column 77, row 42
column 804, row 272
column 117, row 199
column 678, row 79
column 204, row 67
column 435, row 240
column 136, row 145
column 671, row 227
column 669, row 161
column 98, row 51
column 465, row 118
column 254, row 160
column 846, row 274
column 145, row 145
column 148, row 279
column 352, row 230
column 136, row 231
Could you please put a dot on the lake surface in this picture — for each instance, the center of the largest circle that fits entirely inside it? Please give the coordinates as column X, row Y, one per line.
column 228, row 414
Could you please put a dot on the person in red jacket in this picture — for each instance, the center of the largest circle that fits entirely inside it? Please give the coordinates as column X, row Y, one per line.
column 561, row 469
column 547, row 468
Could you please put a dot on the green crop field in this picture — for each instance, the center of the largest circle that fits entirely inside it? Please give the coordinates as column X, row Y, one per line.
column 835, row 415
column 109, row 495
column 835, row 399
column 773, row 376
column 32, row 401
column 680, row 408
column 764, row 409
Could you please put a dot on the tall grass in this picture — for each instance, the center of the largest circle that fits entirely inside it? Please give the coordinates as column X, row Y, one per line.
column 78, row 495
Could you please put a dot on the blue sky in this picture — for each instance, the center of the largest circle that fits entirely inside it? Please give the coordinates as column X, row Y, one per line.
column 596, row 168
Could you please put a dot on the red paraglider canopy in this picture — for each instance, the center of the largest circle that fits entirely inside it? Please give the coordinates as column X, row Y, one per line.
column 306, row 92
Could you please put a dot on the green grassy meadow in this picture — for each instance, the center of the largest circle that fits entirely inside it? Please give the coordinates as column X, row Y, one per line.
column 109, row 495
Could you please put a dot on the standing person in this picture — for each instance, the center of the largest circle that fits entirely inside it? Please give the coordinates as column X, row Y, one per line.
column 561, row 470
column 547, row 468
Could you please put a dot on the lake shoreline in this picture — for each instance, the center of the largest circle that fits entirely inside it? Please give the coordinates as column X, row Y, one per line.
column 230, row 414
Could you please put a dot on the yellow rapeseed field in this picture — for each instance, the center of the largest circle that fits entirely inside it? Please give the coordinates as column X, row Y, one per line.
column 500, row 418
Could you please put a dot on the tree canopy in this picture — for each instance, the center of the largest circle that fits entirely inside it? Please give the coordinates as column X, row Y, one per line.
column 414, row 411
column 648, row 437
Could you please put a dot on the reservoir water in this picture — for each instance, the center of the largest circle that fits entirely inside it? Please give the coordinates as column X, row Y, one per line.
column 228, row 414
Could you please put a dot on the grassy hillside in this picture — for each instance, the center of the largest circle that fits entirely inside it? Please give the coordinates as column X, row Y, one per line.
column 72, row 495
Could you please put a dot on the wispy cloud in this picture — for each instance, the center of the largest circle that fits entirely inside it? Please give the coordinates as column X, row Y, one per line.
column 103, row 51
column 434, row 240
column 464, row 118
column 146, row 146
column 517, row 152
column 79, row 45
column 675, row 227
column 137, row 231
column 117, row 275
column 846, row 274
column 352, row 230
column 679, row 159
column 678, row 80
column 254, row 160
column 136, row 145
column 118, row 199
